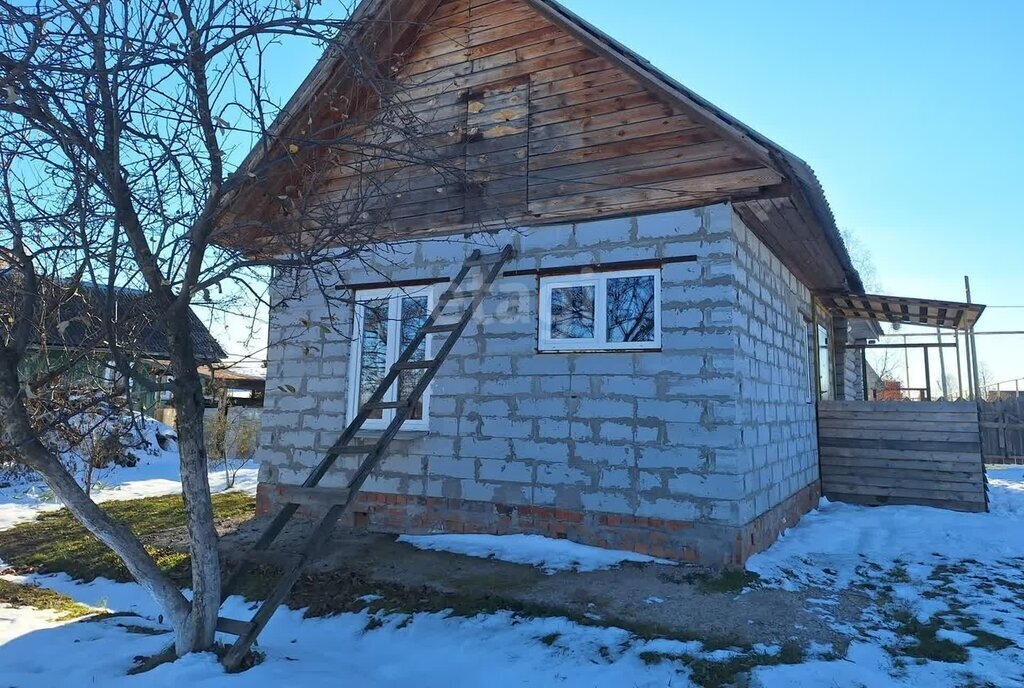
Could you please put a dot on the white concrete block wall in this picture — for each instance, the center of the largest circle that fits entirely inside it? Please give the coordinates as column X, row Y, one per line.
column 631, row 433
column 778, row 453
column 700, row 430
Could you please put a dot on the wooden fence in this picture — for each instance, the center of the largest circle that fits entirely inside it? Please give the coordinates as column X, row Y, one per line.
column 1002, row 430
column 902, row 452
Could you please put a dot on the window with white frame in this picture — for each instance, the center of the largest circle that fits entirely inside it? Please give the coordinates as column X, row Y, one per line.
column 603, row 311
column 386, row 321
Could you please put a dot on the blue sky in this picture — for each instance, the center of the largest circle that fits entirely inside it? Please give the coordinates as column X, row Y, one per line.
column 908, row 111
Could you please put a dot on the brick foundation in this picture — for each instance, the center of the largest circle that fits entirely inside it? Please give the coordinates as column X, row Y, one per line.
column 709, row 544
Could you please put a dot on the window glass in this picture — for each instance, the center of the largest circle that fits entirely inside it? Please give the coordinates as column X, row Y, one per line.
column 572, row 312
column 630, row 308
column 605, row 311
column 824, row 363
column 374, row 349
column 414, row 314
column 387, row 320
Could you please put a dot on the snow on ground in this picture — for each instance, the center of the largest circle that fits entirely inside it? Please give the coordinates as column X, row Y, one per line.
column 156, row 473
column 535, row 550
column 956, row 575
column 829, row 545
column 358, row 649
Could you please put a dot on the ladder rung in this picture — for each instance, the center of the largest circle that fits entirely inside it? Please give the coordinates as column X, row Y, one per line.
column 385, row 405
column 313, row 496
column 414, row 365
column 233, row 626
column 441, row 327
column 273, row 557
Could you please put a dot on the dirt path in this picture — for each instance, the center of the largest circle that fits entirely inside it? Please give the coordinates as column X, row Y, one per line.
column 650, row 599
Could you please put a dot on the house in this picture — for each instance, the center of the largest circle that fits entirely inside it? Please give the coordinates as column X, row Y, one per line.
column 71, row 337
column 645, row 372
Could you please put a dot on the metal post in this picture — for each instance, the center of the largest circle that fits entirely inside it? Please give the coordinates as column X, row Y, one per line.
column 959, row 372
column 906, row 359
column 967, row 361
column 974, row 345
column 942, row 365
column 927, row 376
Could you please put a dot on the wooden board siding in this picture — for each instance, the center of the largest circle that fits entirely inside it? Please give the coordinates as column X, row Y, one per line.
column 543, row 127
column 926, row 453
column 598, row 132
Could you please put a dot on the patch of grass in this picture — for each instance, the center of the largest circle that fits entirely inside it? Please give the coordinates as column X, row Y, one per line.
column 990, row 641
column 924, row 644
column 21, row 595
column 653, row 658
column 550, row 639
column 710, row 674
column 731, row 581
column 898, row 574
column 56, row 542
column 975, row 682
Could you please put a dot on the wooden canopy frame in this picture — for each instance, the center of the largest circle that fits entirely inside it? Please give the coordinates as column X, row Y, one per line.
column 954, row 315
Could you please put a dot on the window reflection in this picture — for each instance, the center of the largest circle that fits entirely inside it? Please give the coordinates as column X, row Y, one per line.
column 414, row 314
column 572, row 312
column 631, row 309
column 373, row 362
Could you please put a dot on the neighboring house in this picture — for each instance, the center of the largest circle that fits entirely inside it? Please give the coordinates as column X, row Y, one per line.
column 71, row 337
column 226, row 386
column 646, row 371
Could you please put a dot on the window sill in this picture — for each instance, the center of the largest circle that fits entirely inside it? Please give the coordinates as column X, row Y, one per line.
column 401, row 435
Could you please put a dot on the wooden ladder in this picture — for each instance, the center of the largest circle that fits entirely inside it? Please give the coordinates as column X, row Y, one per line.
column 336, row 500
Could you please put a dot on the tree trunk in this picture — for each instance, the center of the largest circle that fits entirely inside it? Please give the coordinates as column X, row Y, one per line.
column 195, row 487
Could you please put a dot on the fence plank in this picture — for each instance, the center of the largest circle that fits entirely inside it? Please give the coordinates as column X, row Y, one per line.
column 1002, row 429
column 899, row 452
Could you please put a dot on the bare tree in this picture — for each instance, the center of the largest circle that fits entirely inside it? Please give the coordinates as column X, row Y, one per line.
column 119, row 120
column 862, row 259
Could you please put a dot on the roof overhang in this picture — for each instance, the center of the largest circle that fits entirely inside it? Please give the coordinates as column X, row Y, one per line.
column 955, row 315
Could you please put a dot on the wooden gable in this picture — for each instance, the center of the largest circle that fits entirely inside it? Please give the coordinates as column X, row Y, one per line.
column 542, row 129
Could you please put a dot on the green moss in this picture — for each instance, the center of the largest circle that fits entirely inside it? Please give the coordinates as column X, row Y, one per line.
column 56, row 542
column 20, row 595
